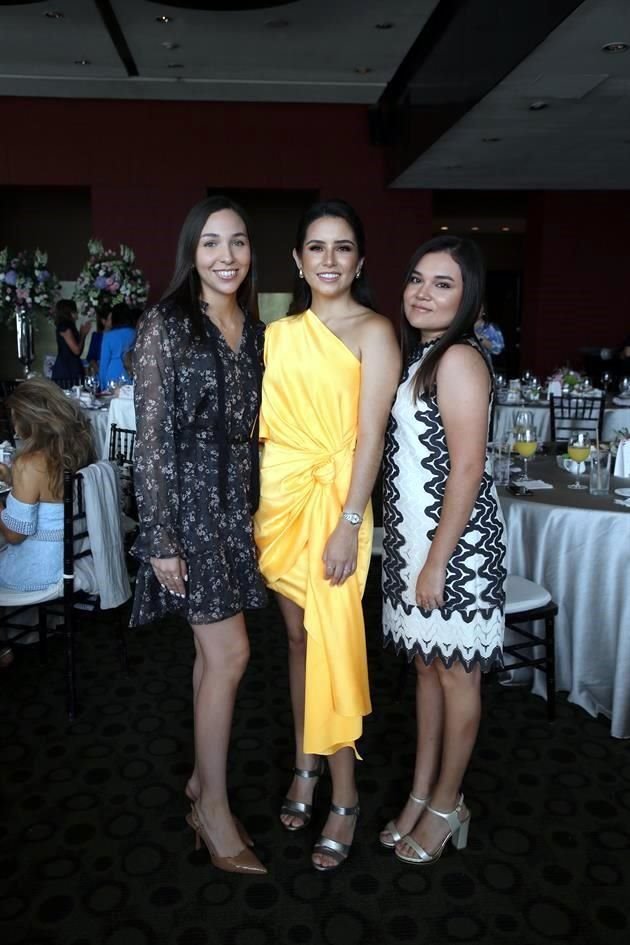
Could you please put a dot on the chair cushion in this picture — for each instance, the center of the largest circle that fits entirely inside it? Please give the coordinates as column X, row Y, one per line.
column 522, row 594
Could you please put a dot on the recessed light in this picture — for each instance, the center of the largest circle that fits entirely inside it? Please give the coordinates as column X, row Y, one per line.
column 82, row 62
column 363, row 70
column 615, row 47
column 54, row 15
column 505, row 229
column 444, row 228
column 490, row 140
column 175, row 65
column 164, row 19
column 538, row 106
column 383, row 26
column 170, row 45
column 474, row 228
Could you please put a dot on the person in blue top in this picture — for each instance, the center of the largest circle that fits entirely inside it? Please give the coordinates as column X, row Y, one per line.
column 103, row 324
column 116, row 343
column 54, row 436
column 489, row 335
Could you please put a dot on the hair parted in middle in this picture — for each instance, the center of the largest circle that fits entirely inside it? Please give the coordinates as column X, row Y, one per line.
column 185, row 286
column 361, row 291
column 468, row 257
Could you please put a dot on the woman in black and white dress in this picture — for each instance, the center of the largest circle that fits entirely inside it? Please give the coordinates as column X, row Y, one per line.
column 444, row 549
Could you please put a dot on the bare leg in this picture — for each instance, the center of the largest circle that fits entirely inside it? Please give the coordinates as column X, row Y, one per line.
column 344, row 794
column 429, row 724
column 193, row 787
column 301, row 789
column 224, row 651
column 462, row 711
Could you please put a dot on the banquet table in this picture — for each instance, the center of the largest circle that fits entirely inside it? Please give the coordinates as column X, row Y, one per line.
column 119, row 411
column 578, row 547
column 615, row 418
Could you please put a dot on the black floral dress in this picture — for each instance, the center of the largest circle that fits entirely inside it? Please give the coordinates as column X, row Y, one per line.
column 197, row 404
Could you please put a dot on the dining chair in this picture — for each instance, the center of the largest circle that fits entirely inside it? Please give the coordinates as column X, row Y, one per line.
column 569, row 412
column 121, row 446
column 525, row 603
column 77, row 596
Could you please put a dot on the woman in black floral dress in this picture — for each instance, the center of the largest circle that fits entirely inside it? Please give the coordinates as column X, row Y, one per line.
column 197, row 365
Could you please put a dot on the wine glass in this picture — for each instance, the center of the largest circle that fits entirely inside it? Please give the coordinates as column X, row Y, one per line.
column 579, row 450
column 526, row 443
column 624, row 386
column 606, row 380
column 523, row 420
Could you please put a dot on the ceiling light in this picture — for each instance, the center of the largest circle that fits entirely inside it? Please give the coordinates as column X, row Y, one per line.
column 163, row 19
column 538, row 106
column 474, row 228
column 383, row 26
column 505, row 229
column 53, row 15
column 175, row 65
column 615, row 47
column 82, row 62
column 363, row 70
column 170, row 45
column 444, row 228
column 490, row 140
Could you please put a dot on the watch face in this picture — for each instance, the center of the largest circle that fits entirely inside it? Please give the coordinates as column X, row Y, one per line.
column 353, row 517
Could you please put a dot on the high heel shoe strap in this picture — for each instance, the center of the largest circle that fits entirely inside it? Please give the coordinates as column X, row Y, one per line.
column 451, row 816
column 346, row 811
column 308, row 773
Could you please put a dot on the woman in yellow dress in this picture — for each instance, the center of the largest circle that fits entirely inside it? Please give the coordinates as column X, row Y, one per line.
column 331, row 371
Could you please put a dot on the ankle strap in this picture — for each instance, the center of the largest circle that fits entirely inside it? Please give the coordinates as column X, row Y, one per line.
column 450, row 816
column 419, row 800
column 308, row 772
column 346, row 811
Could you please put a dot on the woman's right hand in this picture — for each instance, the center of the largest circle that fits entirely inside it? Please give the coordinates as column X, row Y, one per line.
column 172, row 573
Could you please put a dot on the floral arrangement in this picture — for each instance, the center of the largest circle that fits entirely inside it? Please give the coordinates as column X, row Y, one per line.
column 108, row 278
column 25, row 282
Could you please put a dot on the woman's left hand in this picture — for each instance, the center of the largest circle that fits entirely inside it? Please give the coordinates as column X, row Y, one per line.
column 340, row 553
column 430, row 587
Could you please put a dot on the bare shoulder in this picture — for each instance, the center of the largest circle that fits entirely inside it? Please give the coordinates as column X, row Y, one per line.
column 463, row 358
column 376, row 329
column 30, row 471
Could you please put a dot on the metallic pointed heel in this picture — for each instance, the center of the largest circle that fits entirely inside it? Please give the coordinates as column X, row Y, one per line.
column 334, row 848
column 391, row 828
column 245, row 861
column 301, row 809
column 458, row 835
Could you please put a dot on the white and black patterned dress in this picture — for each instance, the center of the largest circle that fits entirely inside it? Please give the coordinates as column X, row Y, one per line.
column 195, row 465
column 469, row 627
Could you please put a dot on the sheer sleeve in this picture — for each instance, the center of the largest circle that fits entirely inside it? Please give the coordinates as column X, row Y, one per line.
column 155, row 463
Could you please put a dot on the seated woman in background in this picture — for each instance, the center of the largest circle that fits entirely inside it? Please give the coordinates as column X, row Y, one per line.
column 103, row 324
column 116, row 343
column 68, row 366
column 54, row 436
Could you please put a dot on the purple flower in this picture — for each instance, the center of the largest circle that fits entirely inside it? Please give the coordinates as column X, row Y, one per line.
column 43, row 275
column 11, row 277
column 100, row 282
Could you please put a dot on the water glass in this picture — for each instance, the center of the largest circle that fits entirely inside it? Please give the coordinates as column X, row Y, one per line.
column 522, row 420
column 599, row 477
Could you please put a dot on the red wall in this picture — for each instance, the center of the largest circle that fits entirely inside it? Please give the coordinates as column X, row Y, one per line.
column 575, row 279
column 147, row 163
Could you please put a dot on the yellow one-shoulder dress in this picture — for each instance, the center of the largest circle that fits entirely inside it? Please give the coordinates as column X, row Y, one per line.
column 309, row 422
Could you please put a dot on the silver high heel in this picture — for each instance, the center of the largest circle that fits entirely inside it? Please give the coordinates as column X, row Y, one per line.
column 301, row 809
column 458, row 835
column 335, row 848
column 391, row 828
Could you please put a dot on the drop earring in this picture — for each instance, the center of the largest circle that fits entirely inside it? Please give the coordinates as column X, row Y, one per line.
column 300, row 272
column 357, row 274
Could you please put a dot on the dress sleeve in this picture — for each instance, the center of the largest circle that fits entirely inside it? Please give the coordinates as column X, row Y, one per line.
column 20, row 517
column 155, row 462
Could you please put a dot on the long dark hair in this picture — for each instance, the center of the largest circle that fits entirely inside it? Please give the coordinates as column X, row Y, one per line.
column 361, row 291
column 468, row 257
column 65, row 310
column 184, row 289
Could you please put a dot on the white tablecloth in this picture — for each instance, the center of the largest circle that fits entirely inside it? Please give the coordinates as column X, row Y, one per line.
column 615, row 418
column 581, row 554
column 121, row 412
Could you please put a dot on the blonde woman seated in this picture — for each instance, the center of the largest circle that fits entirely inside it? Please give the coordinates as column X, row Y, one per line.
column 54, row 436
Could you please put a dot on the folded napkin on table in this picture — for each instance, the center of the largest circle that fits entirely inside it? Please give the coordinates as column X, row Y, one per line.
column 126, row 392
column 533, row 484
column 621, row 401
column 622, row 462
column 625, row 502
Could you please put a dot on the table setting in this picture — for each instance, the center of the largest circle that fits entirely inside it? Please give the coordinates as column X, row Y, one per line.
column 568, row 528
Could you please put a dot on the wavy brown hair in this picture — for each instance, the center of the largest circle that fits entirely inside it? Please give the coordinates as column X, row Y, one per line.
column 49, row 422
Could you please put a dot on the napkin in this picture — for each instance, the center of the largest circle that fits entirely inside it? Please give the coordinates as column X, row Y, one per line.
column 126, row 392
column 622, row 462
column 534, row 484
column 555, row 388
column 621, row 401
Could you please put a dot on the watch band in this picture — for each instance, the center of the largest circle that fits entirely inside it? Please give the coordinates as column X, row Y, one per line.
column 352, row 517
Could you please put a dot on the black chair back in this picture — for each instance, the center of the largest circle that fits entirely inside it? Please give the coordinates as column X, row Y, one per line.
column 569, row 412
column 121, row 444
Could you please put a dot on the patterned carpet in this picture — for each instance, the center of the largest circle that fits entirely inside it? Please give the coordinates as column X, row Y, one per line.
column 95, row 851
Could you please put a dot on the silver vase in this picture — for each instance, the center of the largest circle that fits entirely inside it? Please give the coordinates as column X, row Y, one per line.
column 25, row 338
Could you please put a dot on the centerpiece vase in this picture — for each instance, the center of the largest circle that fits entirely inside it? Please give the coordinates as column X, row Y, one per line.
column 25, row 337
